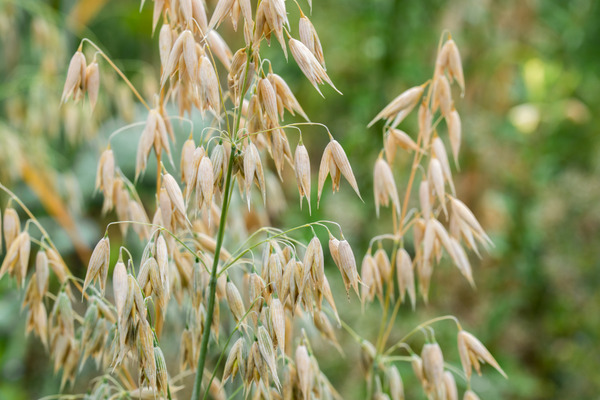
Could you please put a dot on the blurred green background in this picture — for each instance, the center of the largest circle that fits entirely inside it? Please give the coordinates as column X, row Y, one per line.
column 529, row 169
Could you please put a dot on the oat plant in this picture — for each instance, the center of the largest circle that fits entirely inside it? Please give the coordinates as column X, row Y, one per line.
column 249, row 293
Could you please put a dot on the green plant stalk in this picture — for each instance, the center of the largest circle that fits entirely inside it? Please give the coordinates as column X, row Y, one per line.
column 213, row 280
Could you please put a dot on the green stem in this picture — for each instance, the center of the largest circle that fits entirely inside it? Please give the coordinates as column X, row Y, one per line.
column 213, row 281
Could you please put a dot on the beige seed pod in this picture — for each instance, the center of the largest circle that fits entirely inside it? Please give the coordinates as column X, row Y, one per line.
column 253, row 171
column 304, row 370
column 425, row 199
column 98, row 265
column 221, row 11
column 174, row 193
column 433, row 369
column 308, row 36
column 120, row 287
column 466, row 215
column 105, row 178
column 199, row 15
column 42, row 272
column 395, row 383
column 57, row 265
column 219, row 48
column 440, row 153
column 436, row 176
column 470, row 395
column 92, row 83
column 454, row 64
column 165, row 43
column 334, row 162
column 234, row 360
column 471, row 350
column 265, row 345
column 190, row 56
column 302, row 170
column 162, row 377
column 371, row 279
column 11, row 226
column 462, row 261
column 348, row 265
column 267, row 99
column 405, row 276
column 324, row 326
column 442, row 95
column 145, row 144
column 454, row 132
column 403, row 140
column 401, row 106
column 20, row 272
column 147, row 361
column 383, row 265
column 425, row 120
column 173, row 60
column 209, row 86
column 286, row 95
column 309, row 65
column 75, row 76
column 234, row 300
column 278, row 320
column 384, row 186
column 450, row 385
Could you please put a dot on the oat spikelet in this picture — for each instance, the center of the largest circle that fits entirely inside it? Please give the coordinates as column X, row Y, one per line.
column 120, row 287
column 471, row 351
column 310, row 66
column 11, row 226
column 395, row 383
column 105, row 178
column 221, row 11
column 348, row 266
column 234, row 300
column 265, row 345
column 433, row 369
column 450, row 385
column 92, row 83
column 454, row 132
column 400, row 106
column 304, row 370
column 308, row 36
column 98, row 265
column 334, row 162
column 302, row 170
column 384, row 186
column 75, row 76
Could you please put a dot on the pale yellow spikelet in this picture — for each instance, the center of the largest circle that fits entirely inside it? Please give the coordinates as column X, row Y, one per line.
column 424, row 272
column 450, row 385
column 395, row 383
column 278, row 320
column 162, row 376
column 425, row 199
column 209, row 86
column 173, row 60
column 286, row 95
column 42, row 273
column 470, row 395
column 310, row 38
column 444, row 238
column 92, row 83
column 120, row 287
column 221, row 11
column 433, row 369
column 309, row 65
column 401, row 105
column 333, row 162
column 174, row 193
column 304, row 370
column 471, row 350
column 219, row 48
column 442, row 95
column 454, row 133
column 439, row 150
column 199, row 15
column 454, row 64
column 105, row 178
column 267, row 99
column 314, row 262
column 190, row 56
column 20, row 273
column 185, row 6
column 383, row 265
column 253, row 171
column 403, row 139
column 302, row 170
column 468, row 217
column 165, row 44
column 425, row 121
column 462, row 261
column 157, row 12
column 205, row 183
column 98, row 265
column 436, row 176
column 370, row 278
column 187, row 162
column 384, row 186
column 234, row 360
column 265, row 345
column 57, row 265
column 234, row 300
column 147, row 361
column 348, row 265
column 145, row 143
column 11, row 226
column 75, row 76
